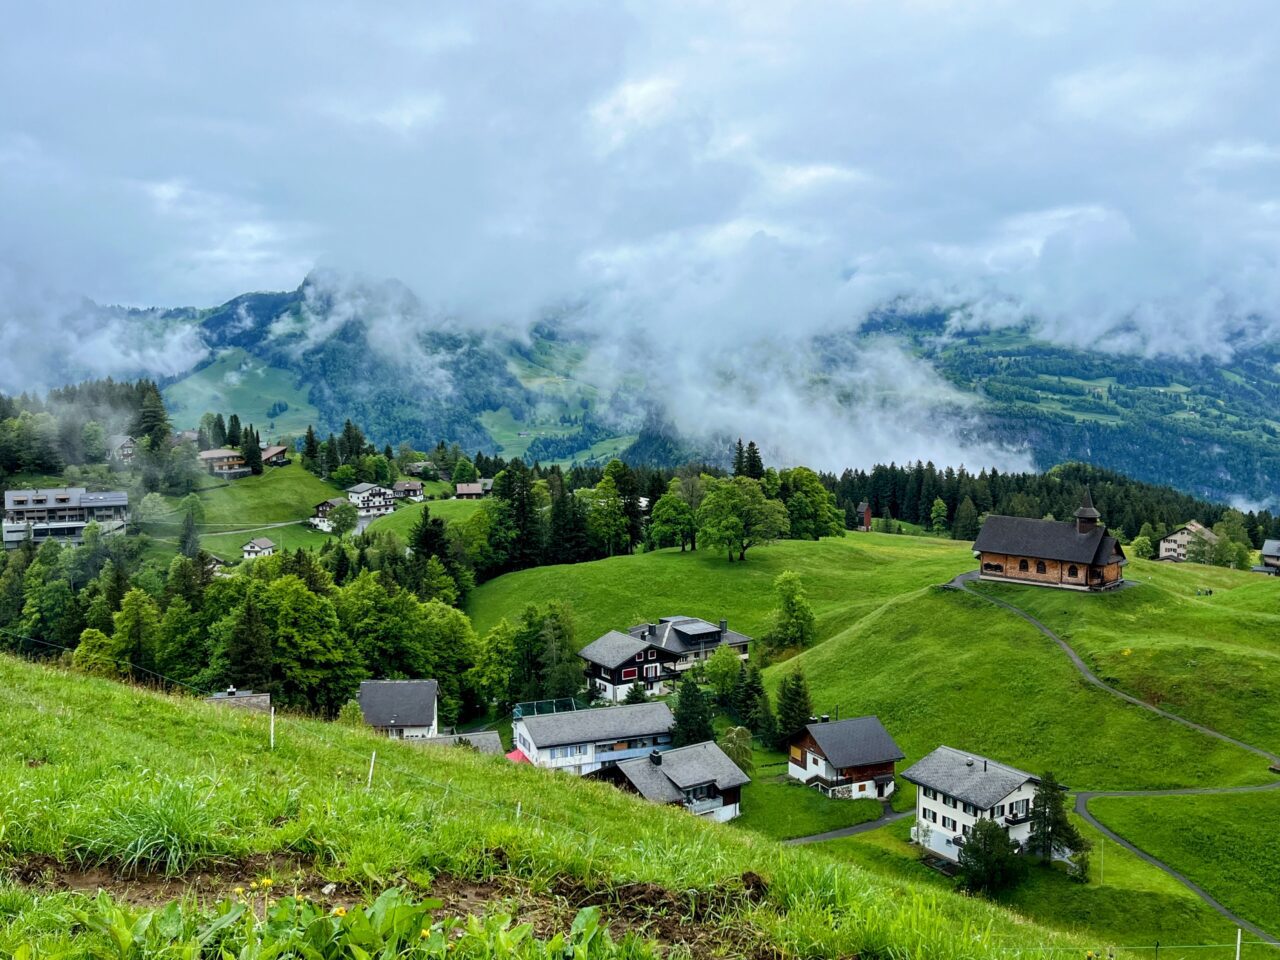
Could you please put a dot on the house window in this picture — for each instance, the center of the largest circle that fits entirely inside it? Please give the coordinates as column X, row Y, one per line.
column 628, row 673
column 653, row 654
column 813, row 761
column 1073, row 571
column 948, row 801
column 948, row 823
column 931, row 793
column 970, row 809
column 930, row 815
column 1022, row 566
column 797, row 755
column 640, row 655
column 999, row 811
column 862, row 788
column 1039, row 566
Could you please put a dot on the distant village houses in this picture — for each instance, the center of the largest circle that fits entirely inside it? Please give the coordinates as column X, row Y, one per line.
column 583, row 741
column 371, row 500
column 848, row 759
column 258, row 547
column 1270, row 556
column 320, row 518
column 1175, row 546
column 957, row 789
column 401, row 709
column 407, row 490
column 61, row 514
column 227, row 464
column 1050, row 553
column 699, row 778
column 121, row 449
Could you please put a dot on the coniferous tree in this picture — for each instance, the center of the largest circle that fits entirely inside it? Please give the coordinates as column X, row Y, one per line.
column 332, row 461
column 234, row 432
column 189, row 540
column 739, row 459
column 794, row 707
column 251, row 447
column 752, row 462
column 988, row 861
column 692, row 715
column 965, row 524
column 636, row 694
column 248, row 645
column 218, row 435
column 1052, row 832
column 311, row 449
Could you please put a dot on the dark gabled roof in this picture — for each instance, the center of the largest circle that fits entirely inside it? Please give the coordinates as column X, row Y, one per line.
column 398, row 703
column 685, row 634
column 1047, row 540
column 612, row 650
column 966, row 776
column 863, row 507
column 599, row 723
column 1086, row 510
column 485, row 741
column 682, row 769
column 1271, row 548
column 856, row 742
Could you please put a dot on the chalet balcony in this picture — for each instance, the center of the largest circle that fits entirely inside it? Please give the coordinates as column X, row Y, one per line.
column 700, row 807
column 1013, row 819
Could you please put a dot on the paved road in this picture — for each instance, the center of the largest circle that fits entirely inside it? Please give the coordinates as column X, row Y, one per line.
column 1083, row 797
column 887, row 817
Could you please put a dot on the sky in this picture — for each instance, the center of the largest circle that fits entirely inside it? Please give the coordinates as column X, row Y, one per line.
column 709, row 172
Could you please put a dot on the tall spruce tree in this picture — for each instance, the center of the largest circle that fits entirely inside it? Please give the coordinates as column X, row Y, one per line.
column 1052, row 832
column 248, row 644
column 752, row 462
column 218, row 434
column 189, row 541
column 251, row 448
column 311, row 449
column 794, row 707
column 234, row 433
column 692, row 715
column 739, row 459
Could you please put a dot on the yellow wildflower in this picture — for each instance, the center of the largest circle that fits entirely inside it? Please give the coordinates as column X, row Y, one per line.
column 339, row 911
column 424, row 933
column 253, row 884
column 1127, row 651
column 267, row 882
column 239, row 891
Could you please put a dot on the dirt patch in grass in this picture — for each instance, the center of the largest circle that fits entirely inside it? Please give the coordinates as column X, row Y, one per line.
column 691, row 921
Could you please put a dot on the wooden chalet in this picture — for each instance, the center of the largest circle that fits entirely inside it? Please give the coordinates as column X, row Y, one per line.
column 848, row 759
column 1050, row 553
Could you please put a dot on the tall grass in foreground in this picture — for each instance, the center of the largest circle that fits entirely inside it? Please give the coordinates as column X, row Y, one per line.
column 95, row 773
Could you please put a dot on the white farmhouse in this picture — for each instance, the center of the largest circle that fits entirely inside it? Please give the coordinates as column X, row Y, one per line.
column 958, row 789
column 582, row 741
column 402, row 709
column 371, row 500
column 1175, row 546
column 258, row 547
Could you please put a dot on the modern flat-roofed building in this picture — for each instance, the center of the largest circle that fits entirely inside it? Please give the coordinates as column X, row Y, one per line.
column 61, row 514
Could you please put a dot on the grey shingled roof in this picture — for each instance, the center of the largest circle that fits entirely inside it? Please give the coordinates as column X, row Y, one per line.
column 399, row 703
column 967, row 777
column 680, row 634
column 856, row 742
column 1046, row 540
column 1271, row 548
column 681, row 769
column 485, row 741
column 362, row 488
column 599, row 723
column 468, row 488
column 262, row 543
column 612, row 650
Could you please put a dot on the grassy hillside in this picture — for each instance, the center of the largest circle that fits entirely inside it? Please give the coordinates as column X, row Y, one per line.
column 1126, row 900
column 1226, row 843
column 1214, row 659
column 239, row 510
column 846, row 579
column 239, row 383
column 404, row 519
column 940, row 666
column 100, row 784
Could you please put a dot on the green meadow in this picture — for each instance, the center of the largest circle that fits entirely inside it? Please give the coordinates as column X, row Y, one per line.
column 239, row 383
column 406, row 517
column 102, row 785
column 1224, row 842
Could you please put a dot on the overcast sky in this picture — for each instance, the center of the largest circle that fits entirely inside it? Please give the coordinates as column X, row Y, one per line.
column 765, row 166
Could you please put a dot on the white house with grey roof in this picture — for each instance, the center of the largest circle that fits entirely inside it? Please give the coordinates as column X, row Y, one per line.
column 617, row 662
column 258, row 547
column 402, row 709
column 61, row 514
column 582, row 741
column 700, row 778
column 371, row 500
column 691, row 639
column 957, row 789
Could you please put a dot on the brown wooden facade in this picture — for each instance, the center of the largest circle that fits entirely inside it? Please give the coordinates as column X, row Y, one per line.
column 1051, row 572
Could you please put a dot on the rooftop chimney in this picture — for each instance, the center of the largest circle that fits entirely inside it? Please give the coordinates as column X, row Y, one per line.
column 653, row 629
column 826, row 718
column 655, row 757
column 724, row 625
column 968, row 761
column 231, row 691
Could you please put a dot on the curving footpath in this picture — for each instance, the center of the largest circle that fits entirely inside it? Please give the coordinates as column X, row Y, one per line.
column 1083, row 797
column 887, row 816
